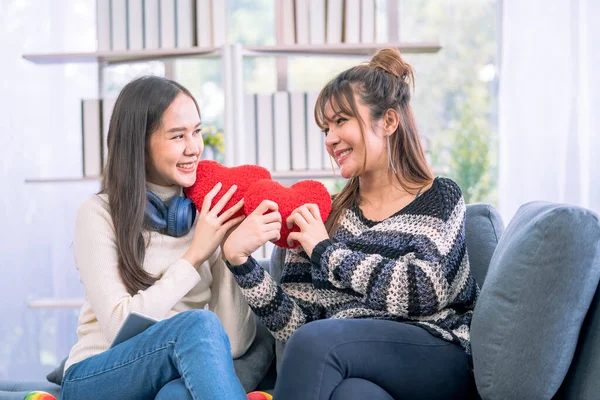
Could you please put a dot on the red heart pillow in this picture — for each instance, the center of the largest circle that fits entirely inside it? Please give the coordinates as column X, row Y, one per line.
column 210, row 172
column 288, row 199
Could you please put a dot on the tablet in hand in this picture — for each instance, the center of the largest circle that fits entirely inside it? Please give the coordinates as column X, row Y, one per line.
column 134, row 324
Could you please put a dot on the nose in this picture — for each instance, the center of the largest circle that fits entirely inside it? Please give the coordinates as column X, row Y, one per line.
column 332, row 138
column 192, row 147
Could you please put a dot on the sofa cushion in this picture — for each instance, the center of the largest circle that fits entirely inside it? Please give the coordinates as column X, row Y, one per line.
column 56, row 375
column 483, row 229
column 541, row 281
column 582, row 379
column 253, row 366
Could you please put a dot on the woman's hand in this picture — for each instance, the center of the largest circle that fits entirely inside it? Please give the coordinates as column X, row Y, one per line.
column 212, row 227
column 257, row 229
column 312, row 228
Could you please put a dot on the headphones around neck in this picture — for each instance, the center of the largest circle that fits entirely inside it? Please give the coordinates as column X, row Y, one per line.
column 177, row 219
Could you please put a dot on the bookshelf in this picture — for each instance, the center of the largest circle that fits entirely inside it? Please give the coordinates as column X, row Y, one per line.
column 344, row 49
column 122, row 56
column 324, row 50
column 237, row 134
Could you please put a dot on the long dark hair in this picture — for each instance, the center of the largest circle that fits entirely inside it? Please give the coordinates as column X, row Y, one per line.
column 137, row 114
column 382, row 84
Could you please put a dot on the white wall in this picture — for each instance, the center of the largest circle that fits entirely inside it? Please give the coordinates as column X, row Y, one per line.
column 40, row 137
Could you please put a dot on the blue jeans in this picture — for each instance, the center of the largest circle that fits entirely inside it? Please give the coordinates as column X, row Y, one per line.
column 187, row 356
column 346, row 359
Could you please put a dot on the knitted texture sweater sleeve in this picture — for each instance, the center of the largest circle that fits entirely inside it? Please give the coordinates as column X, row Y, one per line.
column 282, row 308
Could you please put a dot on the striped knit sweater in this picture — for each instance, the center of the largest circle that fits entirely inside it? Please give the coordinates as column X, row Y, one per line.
column 411, row 267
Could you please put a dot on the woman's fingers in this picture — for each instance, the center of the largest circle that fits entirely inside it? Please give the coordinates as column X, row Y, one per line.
column 264, row 206
column 274, row 236
column 309, row 212
column 273, row 226
column 297, row 218
column 231, row 211
column 293, row 237
column 314, row 210
column 209, row 198
column 224, row 200
column 274, row 216
column 306, row 213
column 233, row 222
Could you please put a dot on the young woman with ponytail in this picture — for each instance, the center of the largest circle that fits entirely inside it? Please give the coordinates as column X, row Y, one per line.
column 377, row 302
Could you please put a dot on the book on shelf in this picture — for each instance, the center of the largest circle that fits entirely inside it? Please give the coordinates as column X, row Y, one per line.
column 298, row 130
column 219, row 22
column 108, row 104
column 264, row 130
column 250, row 140
column 352, row 21
column 151, row 24
column 184, row 22
column 118, row 24
column 281, row 131
column 335, row 18
column 204, row 23
column 285, row 23
column 91, row 137
column 135, row 24
column 314, row 137
column 367, row 21
column 281, row 134
column 316, row 18
column 392, row 19
column 381, row 21
column 167, row 24
column 103, row 25
column 301, row 18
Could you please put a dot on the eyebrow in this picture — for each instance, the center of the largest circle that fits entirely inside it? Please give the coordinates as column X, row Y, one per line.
column 333, row 117
column 182, row 128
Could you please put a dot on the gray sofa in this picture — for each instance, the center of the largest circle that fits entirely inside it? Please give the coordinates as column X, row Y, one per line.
column 536, row 327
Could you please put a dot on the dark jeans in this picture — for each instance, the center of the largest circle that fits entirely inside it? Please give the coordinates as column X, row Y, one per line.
column 371, row 359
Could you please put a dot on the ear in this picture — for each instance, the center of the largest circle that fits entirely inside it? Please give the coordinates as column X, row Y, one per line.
column 390, row 119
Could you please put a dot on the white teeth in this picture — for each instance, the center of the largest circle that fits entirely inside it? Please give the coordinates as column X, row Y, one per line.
column 345, row 153
column 186, row 166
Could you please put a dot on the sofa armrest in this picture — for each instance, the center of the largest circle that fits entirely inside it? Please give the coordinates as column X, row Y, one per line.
column 582, row 380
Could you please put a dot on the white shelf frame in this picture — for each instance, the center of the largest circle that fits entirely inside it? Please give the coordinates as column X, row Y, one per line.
column 121, row 57
column 325, row 50
column 53, row 303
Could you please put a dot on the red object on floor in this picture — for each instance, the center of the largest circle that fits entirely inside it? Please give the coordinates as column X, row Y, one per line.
column 210, row 172
column 288, row 199
column 259, row 396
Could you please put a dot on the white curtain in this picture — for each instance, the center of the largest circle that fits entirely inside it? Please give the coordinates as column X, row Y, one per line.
column 40, row 136
column 549, row 103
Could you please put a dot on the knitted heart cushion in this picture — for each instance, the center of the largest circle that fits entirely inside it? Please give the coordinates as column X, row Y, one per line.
column 210, row 172
column 288, row 199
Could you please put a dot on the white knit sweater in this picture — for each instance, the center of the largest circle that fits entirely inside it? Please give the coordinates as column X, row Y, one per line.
column 181, row 287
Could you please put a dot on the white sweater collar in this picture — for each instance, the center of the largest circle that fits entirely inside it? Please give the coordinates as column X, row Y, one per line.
column 165, row 193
